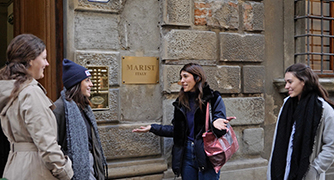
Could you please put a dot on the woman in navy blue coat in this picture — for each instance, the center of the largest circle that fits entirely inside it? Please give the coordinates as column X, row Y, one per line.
column 188, row 156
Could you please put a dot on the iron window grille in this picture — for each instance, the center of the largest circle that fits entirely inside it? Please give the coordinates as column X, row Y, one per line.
column 314, row 35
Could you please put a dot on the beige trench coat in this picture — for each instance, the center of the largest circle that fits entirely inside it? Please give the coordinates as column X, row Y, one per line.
column 31, row 128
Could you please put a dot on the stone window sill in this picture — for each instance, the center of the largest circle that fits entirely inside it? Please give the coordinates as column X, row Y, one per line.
column 327, row 83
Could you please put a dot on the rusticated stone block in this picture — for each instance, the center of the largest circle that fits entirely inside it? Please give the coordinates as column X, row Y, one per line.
column 242, row 48
column 248, row 110
column 171, row 76
column 112, row 113
column 223, row 14
column 253, row 140
column 138, row 27
column 189, row 44
column 253, row 79
column 96, row 31
column 249, row 168
column 141, row 103
column 110, row 59
column 225, row 79
column 111, row 6
column 253, row 16
column 137, row 169
column 118, row 141
column 168, row 110
column 176, row 12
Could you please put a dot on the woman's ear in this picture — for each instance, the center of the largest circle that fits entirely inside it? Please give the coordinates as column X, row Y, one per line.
column 30, row 63
column 198, row 79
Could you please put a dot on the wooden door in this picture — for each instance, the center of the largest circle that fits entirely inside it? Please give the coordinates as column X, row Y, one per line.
column 43, row 18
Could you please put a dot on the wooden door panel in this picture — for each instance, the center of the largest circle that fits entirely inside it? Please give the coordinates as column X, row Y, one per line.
column 38, row 17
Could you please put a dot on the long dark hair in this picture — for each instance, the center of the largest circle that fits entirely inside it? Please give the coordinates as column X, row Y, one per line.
column 74, row 93
column 200, row 79
column 21, row 50
column 304, row 73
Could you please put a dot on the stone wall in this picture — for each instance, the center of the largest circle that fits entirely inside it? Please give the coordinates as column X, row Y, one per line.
column 225, row 36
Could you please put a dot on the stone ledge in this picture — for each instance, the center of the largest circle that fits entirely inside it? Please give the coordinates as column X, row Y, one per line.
column 245, row 169
column 244, row 164
column 236, row 170
column 327, row 83
column 136, row 168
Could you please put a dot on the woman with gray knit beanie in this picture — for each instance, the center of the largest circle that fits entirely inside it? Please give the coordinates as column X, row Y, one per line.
column 77, row 129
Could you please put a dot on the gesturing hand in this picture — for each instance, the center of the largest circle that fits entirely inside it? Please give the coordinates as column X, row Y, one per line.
column 142, row 129
column 220, row 123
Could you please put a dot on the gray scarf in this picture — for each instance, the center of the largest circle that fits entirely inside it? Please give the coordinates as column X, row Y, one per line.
column 77, row 139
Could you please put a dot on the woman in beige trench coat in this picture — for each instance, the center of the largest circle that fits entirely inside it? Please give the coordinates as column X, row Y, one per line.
column 26, row 115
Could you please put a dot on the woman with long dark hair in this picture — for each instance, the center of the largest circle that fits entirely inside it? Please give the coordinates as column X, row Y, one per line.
column 26, row 116
column 77, row 128
column 188, row 156
column 303, row 145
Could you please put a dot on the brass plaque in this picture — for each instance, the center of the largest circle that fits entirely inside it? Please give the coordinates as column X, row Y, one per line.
column 99, row 93
column 140, row 70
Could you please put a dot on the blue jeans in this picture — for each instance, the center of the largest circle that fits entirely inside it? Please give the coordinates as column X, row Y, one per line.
column 190, row 170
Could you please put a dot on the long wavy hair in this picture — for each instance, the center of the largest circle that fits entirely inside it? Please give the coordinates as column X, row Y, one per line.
column 21, row 50
column 200, row 79
column 75, row 94
column 304, row 73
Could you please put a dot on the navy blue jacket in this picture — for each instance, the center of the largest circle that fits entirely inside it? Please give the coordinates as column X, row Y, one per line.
column 179, row 129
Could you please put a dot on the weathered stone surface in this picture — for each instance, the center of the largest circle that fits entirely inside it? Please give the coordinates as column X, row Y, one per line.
column 97, row 58
column 138, row 27
column 122, row 170
column 112, row 114
column 243, row 48
column 141, row 103
column 136, row 144
column 253, row 16
column 252, row 169
column 96, row 31
column 189, row 44
column 176, row 12
column 248, row 110
column 111, row 6
column 168, row 110
column 224, row 14
column 167, row 150
column 253, row 140
column 171, row 76
column 168, row 114
column 253, row 79
column 225, row 79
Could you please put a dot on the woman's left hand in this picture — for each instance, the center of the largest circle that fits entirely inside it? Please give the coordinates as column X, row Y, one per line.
column 220, row 123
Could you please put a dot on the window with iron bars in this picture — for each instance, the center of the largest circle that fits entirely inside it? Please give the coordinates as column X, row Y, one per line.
column 314, row 35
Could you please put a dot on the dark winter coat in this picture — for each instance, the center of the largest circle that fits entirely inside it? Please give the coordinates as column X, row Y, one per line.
column 179, row 130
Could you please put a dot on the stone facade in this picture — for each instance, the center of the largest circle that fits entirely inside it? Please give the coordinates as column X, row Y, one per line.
column 240, row 49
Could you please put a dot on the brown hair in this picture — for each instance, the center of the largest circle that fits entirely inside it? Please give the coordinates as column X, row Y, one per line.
column 21, row 50
column 304, row 73
column 74, row 93
column 200, row 79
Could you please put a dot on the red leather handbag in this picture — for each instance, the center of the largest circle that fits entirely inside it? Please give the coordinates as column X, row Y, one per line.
column 219, row 150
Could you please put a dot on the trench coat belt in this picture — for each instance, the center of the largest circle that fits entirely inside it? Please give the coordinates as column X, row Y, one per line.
column 23, row 146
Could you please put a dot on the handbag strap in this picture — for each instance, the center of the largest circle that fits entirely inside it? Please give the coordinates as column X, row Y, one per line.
column 207, row 116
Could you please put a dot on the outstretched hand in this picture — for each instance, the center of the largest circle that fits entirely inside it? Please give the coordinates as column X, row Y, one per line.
column 142, row 129
column 220, row 123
